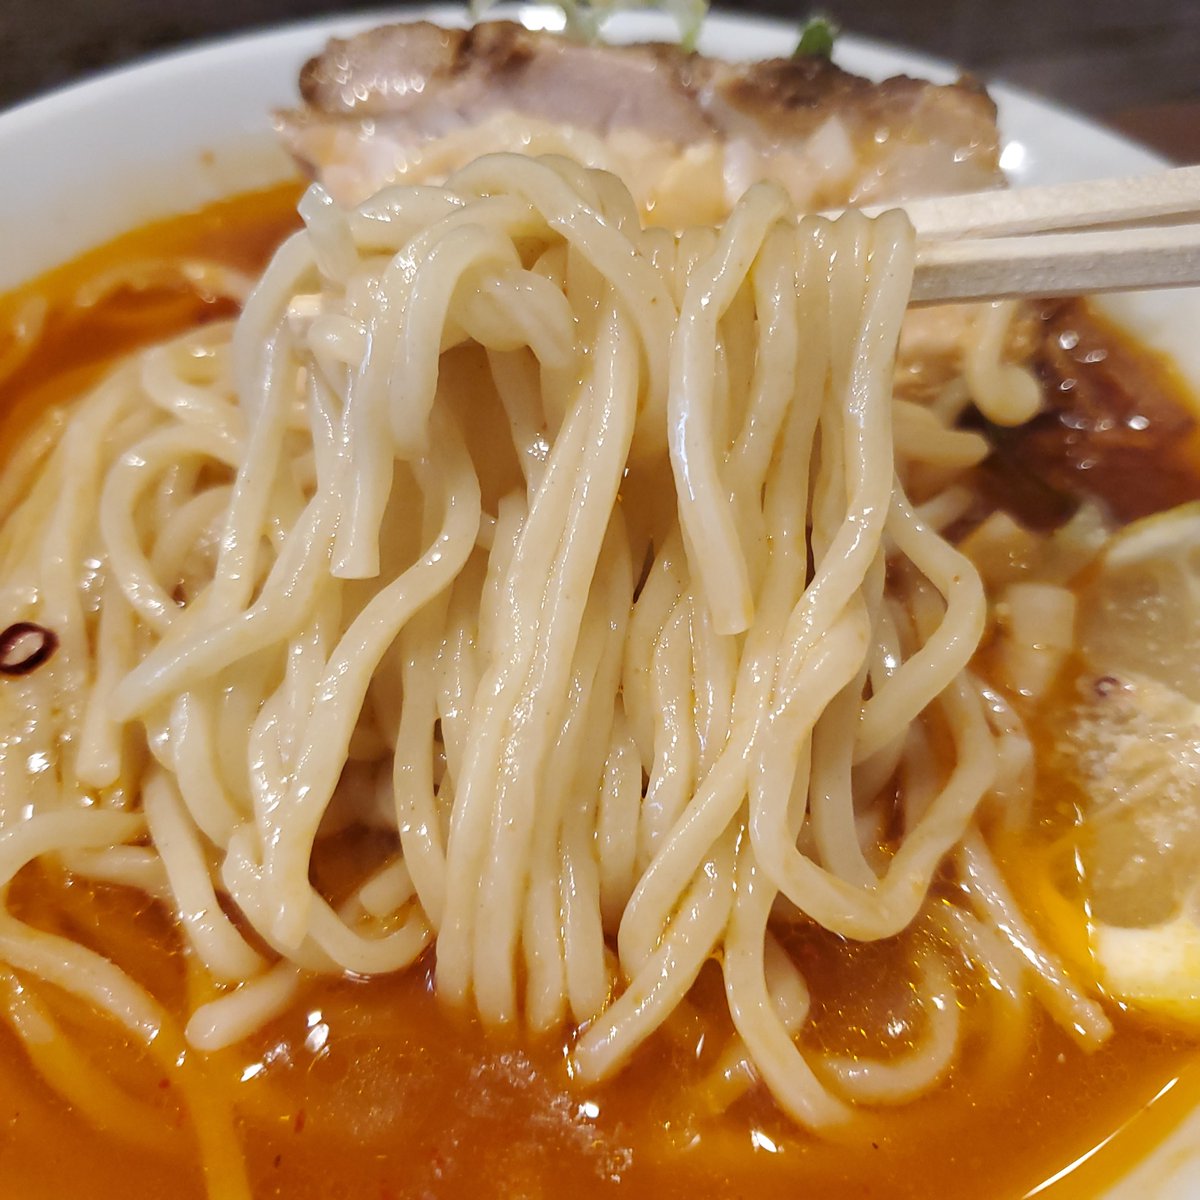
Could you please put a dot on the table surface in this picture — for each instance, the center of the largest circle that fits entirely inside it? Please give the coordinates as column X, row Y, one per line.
column 1132, row 63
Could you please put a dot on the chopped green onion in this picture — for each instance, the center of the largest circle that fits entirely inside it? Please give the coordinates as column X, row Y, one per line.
column 816, row 38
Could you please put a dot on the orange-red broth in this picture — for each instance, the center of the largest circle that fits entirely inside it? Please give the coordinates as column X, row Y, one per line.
column 373, row 1089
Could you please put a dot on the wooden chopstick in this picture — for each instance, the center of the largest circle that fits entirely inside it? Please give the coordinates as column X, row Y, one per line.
column 1057, row 264
column 1166, row 195
column 1060, row 240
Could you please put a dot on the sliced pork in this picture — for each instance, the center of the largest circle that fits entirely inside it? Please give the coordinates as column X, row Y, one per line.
column 687, row 133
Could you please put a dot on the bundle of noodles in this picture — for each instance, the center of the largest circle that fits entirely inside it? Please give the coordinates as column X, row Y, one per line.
column 573, row 558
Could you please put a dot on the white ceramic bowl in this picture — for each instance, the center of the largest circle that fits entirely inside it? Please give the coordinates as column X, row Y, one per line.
column 94, row 160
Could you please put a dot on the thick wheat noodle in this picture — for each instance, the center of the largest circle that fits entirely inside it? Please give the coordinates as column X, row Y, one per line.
column 86, row 974
column 627, row 645
column 59, row 1060
column 893, row 1081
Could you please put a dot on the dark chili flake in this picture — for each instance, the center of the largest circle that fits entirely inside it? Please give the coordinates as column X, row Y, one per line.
column 42, row 643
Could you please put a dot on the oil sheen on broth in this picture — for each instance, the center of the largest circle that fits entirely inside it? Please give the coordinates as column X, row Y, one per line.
column 373, row 1088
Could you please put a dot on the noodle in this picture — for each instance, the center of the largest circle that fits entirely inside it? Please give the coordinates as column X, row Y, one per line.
column 576, row 559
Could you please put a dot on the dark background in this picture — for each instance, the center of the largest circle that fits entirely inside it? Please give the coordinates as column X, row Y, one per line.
column 1132, row 63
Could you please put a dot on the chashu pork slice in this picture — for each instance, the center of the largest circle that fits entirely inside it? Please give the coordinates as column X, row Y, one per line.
column 687, row 133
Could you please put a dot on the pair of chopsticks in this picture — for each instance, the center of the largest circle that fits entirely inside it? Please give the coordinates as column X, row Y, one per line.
column 1107, row 235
